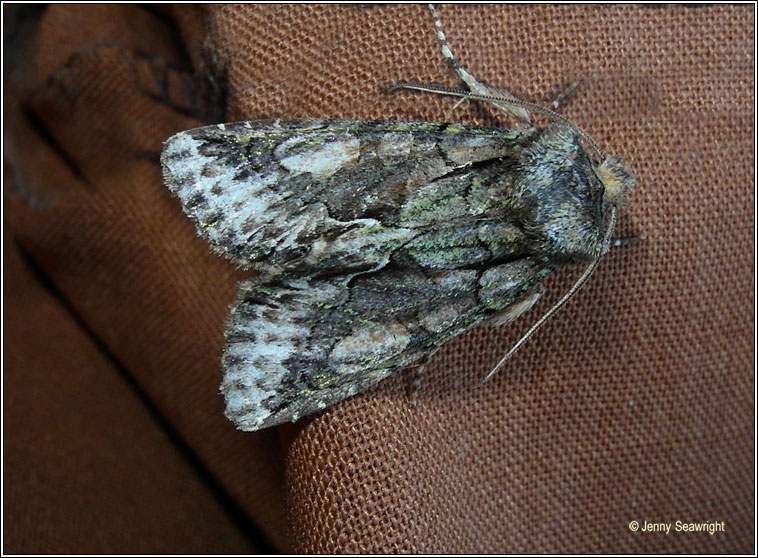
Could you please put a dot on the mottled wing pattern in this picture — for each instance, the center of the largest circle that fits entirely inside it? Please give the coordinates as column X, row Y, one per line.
column 377, row 242
column 316, row 195
column 300, row 345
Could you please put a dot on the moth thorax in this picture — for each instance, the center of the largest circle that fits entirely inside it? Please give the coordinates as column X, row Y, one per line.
column 617, row 180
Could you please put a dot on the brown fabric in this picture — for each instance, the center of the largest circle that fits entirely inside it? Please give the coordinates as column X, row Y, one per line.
column 633, row 404
column 87, row 470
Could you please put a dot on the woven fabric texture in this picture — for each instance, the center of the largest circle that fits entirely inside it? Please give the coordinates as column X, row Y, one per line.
column 634, row 404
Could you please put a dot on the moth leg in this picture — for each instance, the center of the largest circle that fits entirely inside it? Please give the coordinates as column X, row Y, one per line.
column 513, row 311
column 626, row 241
column 418, row 372
column 565, row 94
column 474, row 85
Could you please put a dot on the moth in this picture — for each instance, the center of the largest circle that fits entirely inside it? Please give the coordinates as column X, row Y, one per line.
column 376, row 242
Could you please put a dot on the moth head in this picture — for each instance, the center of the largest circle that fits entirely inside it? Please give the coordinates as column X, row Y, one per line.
column 617, row 180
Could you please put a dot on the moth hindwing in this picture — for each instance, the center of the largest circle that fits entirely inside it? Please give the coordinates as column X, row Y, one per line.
column 377, row 241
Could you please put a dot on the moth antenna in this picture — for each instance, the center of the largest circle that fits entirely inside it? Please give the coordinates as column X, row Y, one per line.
column 439, row 90
column 564, row 299
column 471, row 82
